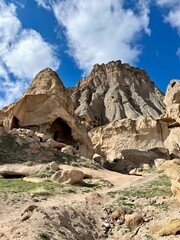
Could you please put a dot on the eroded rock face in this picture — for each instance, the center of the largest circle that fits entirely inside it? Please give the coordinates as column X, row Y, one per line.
column 46, row 107
column 172, row 102
column 173, row 142
column 142, row 133
column 116, row 91
column 72, row 177
column 172, row 170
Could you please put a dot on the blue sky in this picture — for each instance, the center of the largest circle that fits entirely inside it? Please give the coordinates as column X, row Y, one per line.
column 71, row 36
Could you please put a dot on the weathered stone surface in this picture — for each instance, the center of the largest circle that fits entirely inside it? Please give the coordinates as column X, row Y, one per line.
column 172, row 170
column 69, row 150
column 54, row 166
column 20, row 169
column 133, row 220
column 172, row 102
column 172, row 143
column 142, row 133
column 72, row 176
column 99, row 159
column 115, row 91
column 138, row 157
column 47, row 108
column 136, row 171
column 159, row 161
column 54, row 144
column 171, row 228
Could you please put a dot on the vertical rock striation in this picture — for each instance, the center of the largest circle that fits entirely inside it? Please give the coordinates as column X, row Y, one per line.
column 115, row 91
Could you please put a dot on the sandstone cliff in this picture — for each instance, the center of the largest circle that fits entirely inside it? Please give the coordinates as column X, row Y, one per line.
column 172, row 117
column 142, row 133
column 46, row 107
column 115, row 91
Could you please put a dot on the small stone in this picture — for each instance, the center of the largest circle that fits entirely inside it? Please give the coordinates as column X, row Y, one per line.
column 133, row 220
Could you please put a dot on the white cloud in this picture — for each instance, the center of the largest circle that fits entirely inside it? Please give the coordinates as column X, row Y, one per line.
column 173, row 12
column 99, row 32
column 173, row 15
column 29, row 55
column 9, row 25
column 9, row 90
column 167, row 3
column 174, row 18
column 44, row 4
column 23, row 53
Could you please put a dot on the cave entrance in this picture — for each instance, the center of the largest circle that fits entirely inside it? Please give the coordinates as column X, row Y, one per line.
column 11, row 176
column 15, row 123
column 62, row 132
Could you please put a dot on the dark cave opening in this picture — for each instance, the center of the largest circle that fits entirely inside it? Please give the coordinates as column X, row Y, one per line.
column 12, row 176
column 15, row 123
column 62, row 132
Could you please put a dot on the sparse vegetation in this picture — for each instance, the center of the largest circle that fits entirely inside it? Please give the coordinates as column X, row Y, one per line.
column 158, row 187
column 44, row 236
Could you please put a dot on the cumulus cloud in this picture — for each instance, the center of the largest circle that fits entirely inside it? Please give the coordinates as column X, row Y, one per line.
column 173, row 12
column 174, row 18
column 99, row 32
column 167, row 3
column 30, row 54
column 23, row 53
column 173, row 15
column 44, row 4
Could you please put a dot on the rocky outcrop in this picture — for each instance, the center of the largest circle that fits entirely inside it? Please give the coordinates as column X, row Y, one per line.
column 47, row 108
column 172, row 103
column 173, row 142
column 172, row 117
column 20, row 170
column 172, row 170
column 115, row 91
column 142, row 133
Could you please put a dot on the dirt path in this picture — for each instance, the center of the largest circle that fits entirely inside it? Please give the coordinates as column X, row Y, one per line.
column 86, row 206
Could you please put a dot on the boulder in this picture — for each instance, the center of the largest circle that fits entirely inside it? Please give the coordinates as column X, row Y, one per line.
column 34, row 145
column 54, row 144
column 69, row 150
column 99, row 159
column 115, row 91
column 13, row 170
column 142, row 133
column 72, row 177
column 54, row 166
column 43, row 137
column 159, row 161
column 172, row 170
column 136, row 171
column 172, row 143
column 133, row 220
column 171, row 228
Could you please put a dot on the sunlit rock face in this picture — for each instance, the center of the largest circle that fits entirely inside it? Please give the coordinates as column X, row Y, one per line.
column 46, row 107
column 172, row 103
column 115, row 91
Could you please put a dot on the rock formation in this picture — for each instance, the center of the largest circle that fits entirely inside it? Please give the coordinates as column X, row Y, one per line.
column 142, row 133
column 172, row 170
column 47, row 108
column 116, row 91
column 172, row 117
column 172, row 103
